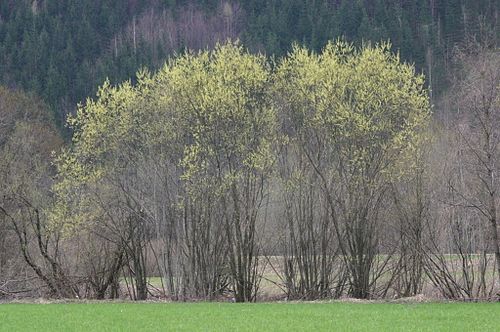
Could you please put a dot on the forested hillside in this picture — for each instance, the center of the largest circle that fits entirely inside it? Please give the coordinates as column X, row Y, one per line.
column 63, row 49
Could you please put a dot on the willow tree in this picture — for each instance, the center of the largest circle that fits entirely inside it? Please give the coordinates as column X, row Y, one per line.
column 185, row 152
column 231, row 123
column 115, row 180
column 354, row 115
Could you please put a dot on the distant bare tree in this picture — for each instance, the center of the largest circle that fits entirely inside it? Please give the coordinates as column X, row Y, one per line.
column 25, row 173
column 478, row 126
column 188, row 28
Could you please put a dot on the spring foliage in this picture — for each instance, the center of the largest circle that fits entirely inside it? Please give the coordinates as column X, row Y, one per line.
column 368, row 106
column 214, row 115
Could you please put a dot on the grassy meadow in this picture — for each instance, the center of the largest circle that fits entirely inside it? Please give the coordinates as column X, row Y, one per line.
column 337, row 316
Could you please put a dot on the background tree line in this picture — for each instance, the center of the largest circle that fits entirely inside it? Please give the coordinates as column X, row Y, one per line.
column 62, row 50
column 326, row 168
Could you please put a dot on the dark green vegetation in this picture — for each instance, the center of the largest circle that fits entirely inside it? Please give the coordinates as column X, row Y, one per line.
column 250, row 317
column 63, row 50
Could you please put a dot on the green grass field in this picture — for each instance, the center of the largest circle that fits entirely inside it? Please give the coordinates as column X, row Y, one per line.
column 250, row 317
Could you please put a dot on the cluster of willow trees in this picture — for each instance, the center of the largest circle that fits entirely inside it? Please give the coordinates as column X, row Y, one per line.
column 323, row 167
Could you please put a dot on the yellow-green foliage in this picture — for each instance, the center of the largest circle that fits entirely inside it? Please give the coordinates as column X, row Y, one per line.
column 125, row 125
column 367, row 106
column 212, row 108
column 212, row 114
column 223, row 97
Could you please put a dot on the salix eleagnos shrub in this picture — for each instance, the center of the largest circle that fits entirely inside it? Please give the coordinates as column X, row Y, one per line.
column 356, row 116
column 368, row 106
column 190, row 152
column 231, row 124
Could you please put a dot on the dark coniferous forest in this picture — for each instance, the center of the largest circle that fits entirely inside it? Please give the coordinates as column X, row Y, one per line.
column 63, row 49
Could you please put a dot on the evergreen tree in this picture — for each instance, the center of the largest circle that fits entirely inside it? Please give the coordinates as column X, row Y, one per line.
column 48, row 49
